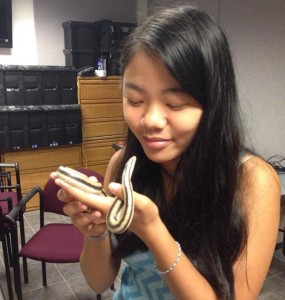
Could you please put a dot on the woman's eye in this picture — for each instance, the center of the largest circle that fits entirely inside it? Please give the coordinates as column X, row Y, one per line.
column 135, row 102
column 175, row 106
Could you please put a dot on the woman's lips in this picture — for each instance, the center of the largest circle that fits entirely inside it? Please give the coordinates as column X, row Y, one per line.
column 156, row 142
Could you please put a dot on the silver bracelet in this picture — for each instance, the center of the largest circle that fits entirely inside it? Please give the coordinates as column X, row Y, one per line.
column 98, row 237
column 173, row 265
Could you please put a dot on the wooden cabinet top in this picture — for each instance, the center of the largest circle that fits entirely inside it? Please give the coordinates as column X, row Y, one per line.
column 96, row 88
column 98, row 80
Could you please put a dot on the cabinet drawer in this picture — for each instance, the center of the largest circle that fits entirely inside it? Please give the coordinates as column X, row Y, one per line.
column 102, row 110
column 29, row 180
column 104, row 129
column 95, row 151
column 100, row 91
column 100, row 168
column 45, row 158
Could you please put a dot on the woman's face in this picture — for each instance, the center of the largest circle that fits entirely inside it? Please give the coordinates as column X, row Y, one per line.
column 162, row 116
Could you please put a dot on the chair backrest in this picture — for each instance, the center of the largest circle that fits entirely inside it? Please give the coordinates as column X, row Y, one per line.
column 50, row 200
column 10, row 186
column 6, row 169
column 1, row 225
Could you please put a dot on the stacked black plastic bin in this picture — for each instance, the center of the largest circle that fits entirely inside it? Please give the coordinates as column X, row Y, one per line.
column 32, row 79
column 38, row 107
column 81, row 41
column 86, row 41
column 112, row 36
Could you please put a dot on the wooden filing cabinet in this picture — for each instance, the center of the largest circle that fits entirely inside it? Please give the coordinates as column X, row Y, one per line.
column 102, row 119
column 36, row 165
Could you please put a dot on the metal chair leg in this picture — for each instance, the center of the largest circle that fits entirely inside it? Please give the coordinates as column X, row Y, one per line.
column 44, row 273
column 7, row 267
column 16, row 263
column 99, row 296
column 25, row 270
column 9, row 249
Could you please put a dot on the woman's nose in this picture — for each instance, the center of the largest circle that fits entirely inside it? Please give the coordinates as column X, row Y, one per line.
column 154, row 118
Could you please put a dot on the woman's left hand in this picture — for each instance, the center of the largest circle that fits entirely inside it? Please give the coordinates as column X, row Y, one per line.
column 146, row 214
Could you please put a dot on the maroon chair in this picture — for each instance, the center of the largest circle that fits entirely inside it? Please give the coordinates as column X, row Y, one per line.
column 52, row 243
column 10, row 185
column 11, row 194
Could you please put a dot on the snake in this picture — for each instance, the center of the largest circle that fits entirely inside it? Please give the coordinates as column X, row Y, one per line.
column 120, row 215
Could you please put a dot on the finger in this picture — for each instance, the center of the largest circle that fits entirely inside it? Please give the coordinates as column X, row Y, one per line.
column 86, row 221
column 53, row 175
column 74, row 208
column 116, row 189
column 93, row 178
column 63, row 196
column 89, row 199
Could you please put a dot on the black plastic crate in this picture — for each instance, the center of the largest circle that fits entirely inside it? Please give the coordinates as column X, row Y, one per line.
column 68, row 86
column 5, row 142
column 56, row 128
column 81, row 35
column 19, row 129
column 33, row 87
column 113, row 34
column 121, row 31
column 73, row 126
column 51, row 86
column 80, row 58
column 38, row 129
column 14, row 87
column 2, row 88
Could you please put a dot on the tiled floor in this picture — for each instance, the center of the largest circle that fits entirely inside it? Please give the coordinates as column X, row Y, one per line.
column 65, row 281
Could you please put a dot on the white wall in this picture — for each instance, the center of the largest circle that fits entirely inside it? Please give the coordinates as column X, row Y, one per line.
column 256, row 30
column 38, row 36
column 141, row 10
column 24, row 51
column 49, row 16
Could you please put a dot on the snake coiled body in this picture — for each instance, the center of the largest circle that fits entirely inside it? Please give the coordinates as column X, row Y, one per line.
column 120, row 215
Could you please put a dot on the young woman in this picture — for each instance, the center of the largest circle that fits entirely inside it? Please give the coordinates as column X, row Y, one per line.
column 206, row 211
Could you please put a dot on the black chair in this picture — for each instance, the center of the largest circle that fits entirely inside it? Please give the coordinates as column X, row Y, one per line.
column 52, row 243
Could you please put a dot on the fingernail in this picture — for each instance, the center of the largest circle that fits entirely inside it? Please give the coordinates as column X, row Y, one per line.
column 113, row 186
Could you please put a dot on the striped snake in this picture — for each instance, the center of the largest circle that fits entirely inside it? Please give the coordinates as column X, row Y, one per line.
column 120, row 215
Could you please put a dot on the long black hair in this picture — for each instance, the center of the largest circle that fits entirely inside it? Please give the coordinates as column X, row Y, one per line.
column 203, row 214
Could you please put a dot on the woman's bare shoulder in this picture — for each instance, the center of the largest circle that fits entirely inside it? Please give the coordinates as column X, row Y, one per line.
column 259, row 188
column 259, row 192
column 259, row 174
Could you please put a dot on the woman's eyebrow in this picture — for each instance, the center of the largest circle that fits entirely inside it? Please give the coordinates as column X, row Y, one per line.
column 137, row 88
column 133, row 86
column 173, row 90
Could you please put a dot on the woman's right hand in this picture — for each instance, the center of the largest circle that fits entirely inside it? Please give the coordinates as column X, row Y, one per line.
column 89, row 220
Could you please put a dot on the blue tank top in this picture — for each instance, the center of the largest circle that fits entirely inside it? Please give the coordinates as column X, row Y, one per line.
column 140, row 280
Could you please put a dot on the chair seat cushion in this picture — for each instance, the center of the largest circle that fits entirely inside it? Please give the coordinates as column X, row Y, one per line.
column 56, row 243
